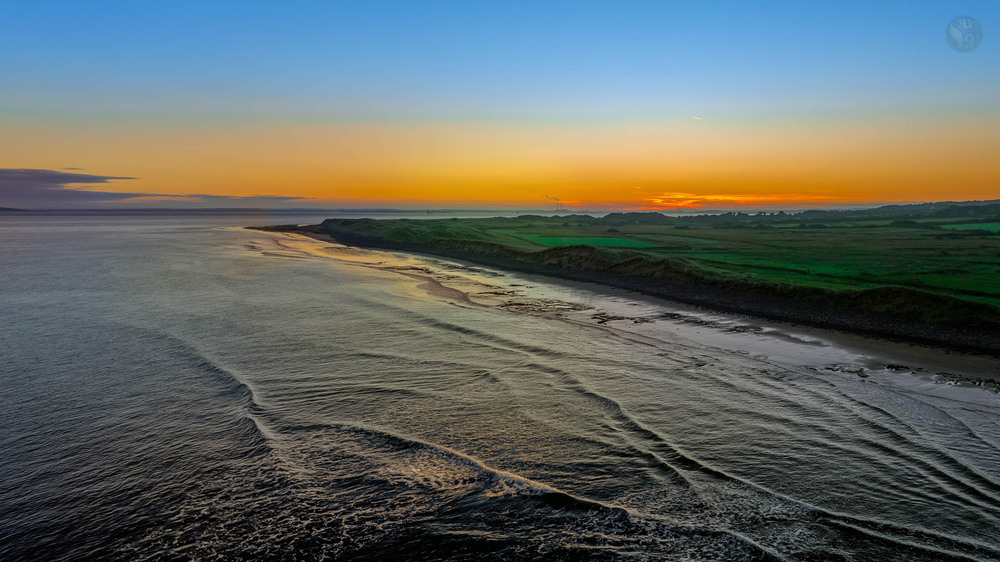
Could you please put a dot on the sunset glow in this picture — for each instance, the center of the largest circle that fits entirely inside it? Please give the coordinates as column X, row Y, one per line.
column 737, row 132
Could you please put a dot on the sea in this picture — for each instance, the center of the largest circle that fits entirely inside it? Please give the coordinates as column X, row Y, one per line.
column 176, row 387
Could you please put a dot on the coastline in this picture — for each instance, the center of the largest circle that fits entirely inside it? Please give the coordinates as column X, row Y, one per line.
column 716, row 299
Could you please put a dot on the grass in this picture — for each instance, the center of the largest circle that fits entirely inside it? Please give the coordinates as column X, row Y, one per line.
column 990, row 226
column 555, row 241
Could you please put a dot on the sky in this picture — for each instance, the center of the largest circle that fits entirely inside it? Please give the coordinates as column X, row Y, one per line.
column 600, row 105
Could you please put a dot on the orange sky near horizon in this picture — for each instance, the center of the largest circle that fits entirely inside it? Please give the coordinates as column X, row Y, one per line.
column 661, row 163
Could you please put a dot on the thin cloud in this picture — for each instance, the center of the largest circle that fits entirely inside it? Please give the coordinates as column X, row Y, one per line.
column 49, row 179
column 50, row 189
column 676, row 200
column 159, row 199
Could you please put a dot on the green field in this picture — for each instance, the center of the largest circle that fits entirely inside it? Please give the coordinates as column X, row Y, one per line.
column 991, row 226
column 596, row 241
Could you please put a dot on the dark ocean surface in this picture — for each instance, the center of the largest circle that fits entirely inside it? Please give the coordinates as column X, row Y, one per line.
column 171, row 388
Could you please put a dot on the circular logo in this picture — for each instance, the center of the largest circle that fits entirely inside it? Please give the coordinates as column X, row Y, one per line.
column 964, row 34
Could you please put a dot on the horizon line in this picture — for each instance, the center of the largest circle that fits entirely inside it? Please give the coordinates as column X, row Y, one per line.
column 687, row 211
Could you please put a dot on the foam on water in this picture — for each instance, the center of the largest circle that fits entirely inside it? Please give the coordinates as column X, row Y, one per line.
column 179, row 390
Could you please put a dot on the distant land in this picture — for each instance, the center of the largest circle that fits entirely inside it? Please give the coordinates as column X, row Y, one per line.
column 909, row 208
column 924, row 272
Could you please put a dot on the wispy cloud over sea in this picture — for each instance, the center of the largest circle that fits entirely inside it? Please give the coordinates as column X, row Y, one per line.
column 53, row 189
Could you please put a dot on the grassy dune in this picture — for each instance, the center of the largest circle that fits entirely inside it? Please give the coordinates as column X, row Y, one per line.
column 925, row 275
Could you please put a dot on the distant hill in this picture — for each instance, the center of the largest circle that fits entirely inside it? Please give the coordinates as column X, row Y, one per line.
column 942, row 209
column 974, row 211
column 10, row 209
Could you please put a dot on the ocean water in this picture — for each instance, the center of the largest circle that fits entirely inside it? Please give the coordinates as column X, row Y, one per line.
column 174, row 388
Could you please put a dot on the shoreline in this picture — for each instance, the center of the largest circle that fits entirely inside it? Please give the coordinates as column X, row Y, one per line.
column 906, row 366
column 712, row 299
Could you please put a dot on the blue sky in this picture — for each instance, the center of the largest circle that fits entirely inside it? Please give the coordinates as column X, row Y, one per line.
column 428, row 60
